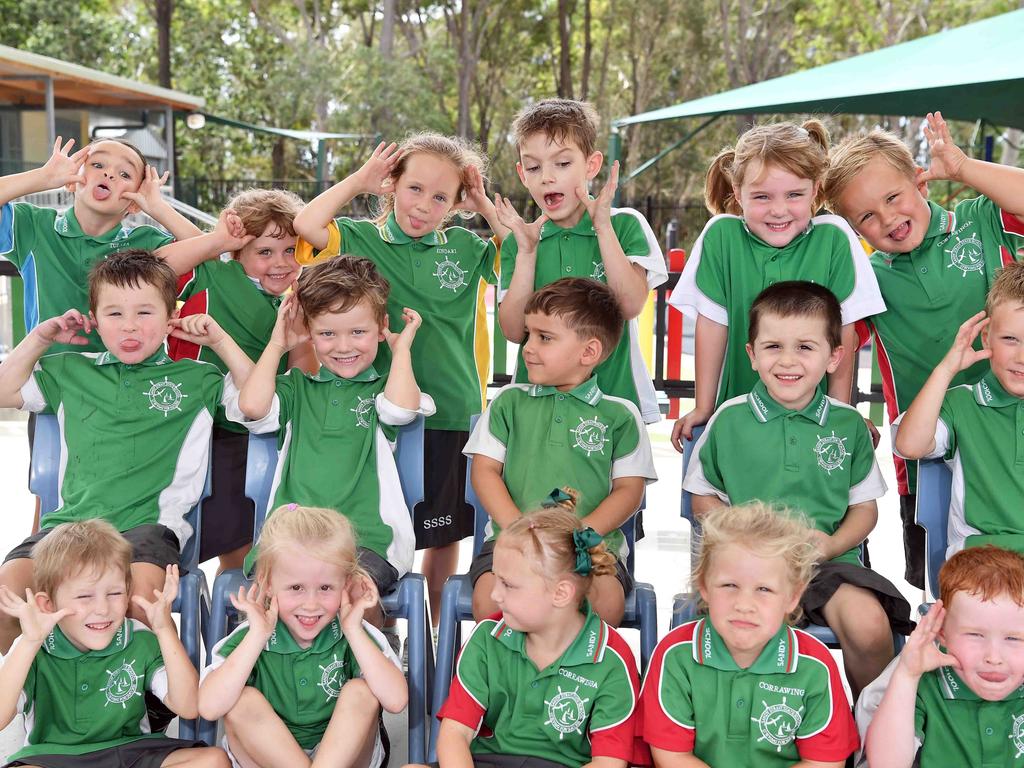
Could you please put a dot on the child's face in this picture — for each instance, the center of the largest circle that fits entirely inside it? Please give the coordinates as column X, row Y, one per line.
column 886, row 208
column 522, row 594
column 133, row 322
column 552, row 172
column 99, row 602
column 748, row 599
column 987, row 638
column 270, row 258
column 110, row 170
column 792, row 356
column 425, row 193
column 1004, row 335
column 777, row 204
column 308, row 593
column 346, row 342
column 555, row 355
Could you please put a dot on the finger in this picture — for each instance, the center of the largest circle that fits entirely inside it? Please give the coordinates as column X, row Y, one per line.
column 80, row 156
column 66, row 149
column 540, row 221
column 56, row 146
column 613, row 178
column 142, row 603
column 272, row 610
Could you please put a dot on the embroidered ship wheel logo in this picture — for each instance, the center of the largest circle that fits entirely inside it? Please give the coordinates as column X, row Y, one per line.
column 362, row 412
column 831, row 452
column 778, row 723
column 566, row 712
column 165, row 396
column 330, row 676
column 122, row 684
column 968, row 255
column 450, row 275
column 589, row 435
column 1017, row 735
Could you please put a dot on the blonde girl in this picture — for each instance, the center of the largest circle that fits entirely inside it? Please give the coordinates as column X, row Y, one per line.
column 302, row 682
column 763, row 195
column 545, row 653
column 440, row 271
column 740, row 686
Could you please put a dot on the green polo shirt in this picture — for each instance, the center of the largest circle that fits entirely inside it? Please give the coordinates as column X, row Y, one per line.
column 580, row 707
column 729, row 266
column 54, row 257
column 788, row 706
column 929, row 293
column 548, row 439
column 240, row 306
column 335, row 442
column 820, row 461
column 980, row 435
column 443, row 276
column 82, row 701
column 301, row 684
column 573, row 252
column 135, row 438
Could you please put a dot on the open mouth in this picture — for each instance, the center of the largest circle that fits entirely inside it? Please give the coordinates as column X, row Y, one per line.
column 553, row 199
column 346, row 360
column 101, row 192
column 99, row 626
column 776, row 227
column 901, row 233
column 788, row 378
column 131, row 345
column 307, row 622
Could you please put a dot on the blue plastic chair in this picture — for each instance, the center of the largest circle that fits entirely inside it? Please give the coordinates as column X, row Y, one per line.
column 457, row 606
column 193, row 601
column 934, row 483
column 407, row 600
column 684, row 607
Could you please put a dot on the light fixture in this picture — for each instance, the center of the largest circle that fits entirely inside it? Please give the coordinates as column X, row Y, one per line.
column 195, row 120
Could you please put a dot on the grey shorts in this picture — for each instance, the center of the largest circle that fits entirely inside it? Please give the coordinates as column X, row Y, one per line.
column 147, row 752
column 483, row 562
column 383, row 573
column 155, row 544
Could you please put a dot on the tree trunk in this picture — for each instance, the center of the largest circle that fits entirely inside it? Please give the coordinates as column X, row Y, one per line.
column 387, row 28
column 163, row 10
column 564, row 52
column 588, row 47
column 277, row 158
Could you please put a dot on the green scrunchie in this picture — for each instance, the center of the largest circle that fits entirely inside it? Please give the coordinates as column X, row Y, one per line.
column 585, row 540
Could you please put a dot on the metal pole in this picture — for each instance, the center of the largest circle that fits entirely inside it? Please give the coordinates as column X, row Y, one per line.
column 614, row 153
column 321, row 166
column 51, row 120
column 172, row 159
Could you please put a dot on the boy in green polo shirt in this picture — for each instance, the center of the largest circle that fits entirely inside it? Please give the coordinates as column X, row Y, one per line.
column 337, row 428
column 81, row 668
column 955, row 694
column 933, row 266
column 578, row 236
column 562, row 430
column 135, row 425
column 813, row 454
column 978, row 429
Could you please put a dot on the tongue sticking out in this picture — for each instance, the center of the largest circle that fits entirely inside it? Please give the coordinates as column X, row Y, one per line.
column 100, row 192
column 901, row 232
column 552, row 200
column 131, row 345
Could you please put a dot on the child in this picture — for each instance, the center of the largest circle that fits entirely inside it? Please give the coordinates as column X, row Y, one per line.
column 54, row 250
column 304, row 676
column 763, row 195
column 976, row 428
column 441, row 272
column 578, row 236
column 740, row 686
column 958, row 703
column 933, row 266
column 545, row 680
column 561, row 428
column 80, row 668
column 242, row 295
column 338, row 427
column 135, row 426
column 787, row 442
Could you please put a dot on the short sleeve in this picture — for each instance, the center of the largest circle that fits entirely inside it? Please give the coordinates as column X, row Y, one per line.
column 269, row 423
column 1009, row 229
column 631, row 450
column 224, row 648
column 640, row 245
column 866, row 482
column 382, row 645
column 613, row 720
column 920, row 717
column 395, row 415
column 702, row 287
column 306, row 254
column 851, row 277
column 945, row 433
column 469, row 694
column 42, row 392
column 704, row 475
column 196, row 280
column 507, row 263
column 16, row 231
column 491, row 435
column 669, row 720
column 827, row 732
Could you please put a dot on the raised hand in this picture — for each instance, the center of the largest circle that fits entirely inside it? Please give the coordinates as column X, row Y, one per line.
column 476, row 199
column 375, row 175
column 64, row 169
column 290, row 329
column 64, row 329
column 527, row 235
column 232, row 231
column 147, row 197
column 600, row 208
column 158, row 610
column 36, row 624
column 947, row 157
column 358, row 596
column 259, row 612
column 921, row 654
column 962, row 355
column 404, row 339
column 198, row 329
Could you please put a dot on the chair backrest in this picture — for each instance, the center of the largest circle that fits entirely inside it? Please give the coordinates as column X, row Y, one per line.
column 934, row 482
column 261, row 467
column 44, row 476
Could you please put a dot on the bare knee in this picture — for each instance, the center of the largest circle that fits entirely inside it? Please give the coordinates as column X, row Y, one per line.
column 860, row 620
column 483, row 605
column 248, row 702
column 358, row 693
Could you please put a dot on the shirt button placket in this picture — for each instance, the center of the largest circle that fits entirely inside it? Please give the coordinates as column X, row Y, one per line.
column 739, row 713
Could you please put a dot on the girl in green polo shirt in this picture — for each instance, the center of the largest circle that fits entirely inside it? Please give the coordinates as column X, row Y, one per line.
column 304, row 675
column 762, row 195
column 740, row 686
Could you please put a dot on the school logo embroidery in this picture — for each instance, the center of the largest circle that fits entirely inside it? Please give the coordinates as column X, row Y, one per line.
column 164, row 396
column 450, row 275
column 598, row 273
column 778, row 723
column 589, row 435
column 1017, row 735
column 831, row 452
column 967, row 255
column 362, row 412
column 567, row 712
column 122, row 684
column 330, row 676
